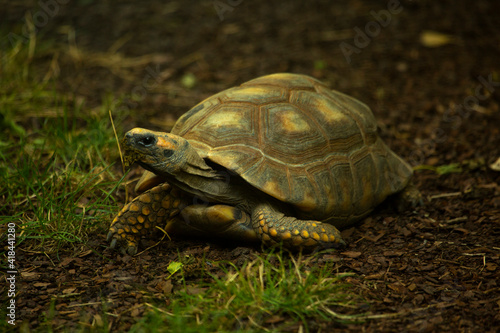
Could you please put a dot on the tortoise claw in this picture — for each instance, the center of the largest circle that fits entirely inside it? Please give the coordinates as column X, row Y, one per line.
column 131, row 250
column 109, row 237
column 113, row 243
column 122, row 245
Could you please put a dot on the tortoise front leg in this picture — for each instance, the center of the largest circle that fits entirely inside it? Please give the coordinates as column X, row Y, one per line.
column 274, row 227
column 141, row 216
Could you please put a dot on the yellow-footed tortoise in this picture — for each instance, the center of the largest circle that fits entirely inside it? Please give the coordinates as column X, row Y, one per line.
column 280, row 159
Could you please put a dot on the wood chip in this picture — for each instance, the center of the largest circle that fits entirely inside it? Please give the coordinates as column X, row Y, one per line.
column 351, row 254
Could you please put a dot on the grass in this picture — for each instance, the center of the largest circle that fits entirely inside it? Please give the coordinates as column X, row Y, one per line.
column 272, row 290
column 58, row 180
column 446, row 169
column 55, row 156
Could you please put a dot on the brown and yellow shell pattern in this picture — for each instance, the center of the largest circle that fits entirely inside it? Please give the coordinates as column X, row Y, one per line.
column 295, row 139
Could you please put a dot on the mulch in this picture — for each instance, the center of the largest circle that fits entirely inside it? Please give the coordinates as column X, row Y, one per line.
column 434, row 269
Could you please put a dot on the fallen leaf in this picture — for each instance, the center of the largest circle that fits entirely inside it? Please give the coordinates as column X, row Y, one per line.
column 495, row 166
column 430, row 38
column 393, row 253
column 192, row 290
column 397, row 287
column 165, row 286
column 85, row 253
column 173, row 267
column 68, row 290
column 136, row 312
column 491, row 267
column 376, row 276
column 351, row 254
column 66, row 261
column 30, row 276
column 428, row 289
column 98, row 320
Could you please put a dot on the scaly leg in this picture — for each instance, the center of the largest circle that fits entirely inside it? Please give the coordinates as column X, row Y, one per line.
column 274, row 227
column 140, row 217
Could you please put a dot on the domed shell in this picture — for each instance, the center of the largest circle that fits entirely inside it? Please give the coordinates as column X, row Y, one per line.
column 293, row 138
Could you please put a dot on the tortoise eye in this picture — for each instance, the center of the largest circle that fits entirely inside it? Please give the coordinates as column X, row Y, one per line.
column 147, row 141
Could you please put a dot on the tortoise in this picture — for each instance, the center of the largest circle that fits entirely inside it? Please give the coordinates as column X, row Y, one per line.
column 280, row 159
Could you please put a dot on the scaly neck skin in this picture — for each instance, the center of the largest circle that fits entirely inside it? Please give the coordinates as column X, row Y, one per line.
column 189, row 172
column 216, row 189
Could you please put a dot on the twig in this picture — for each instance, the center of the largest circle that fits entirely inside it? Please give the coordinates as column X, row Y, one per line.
column 119, row 150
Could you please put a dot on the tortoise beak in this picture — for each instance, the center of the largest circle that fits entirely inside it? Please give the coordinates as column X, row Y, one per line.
column 129, row 155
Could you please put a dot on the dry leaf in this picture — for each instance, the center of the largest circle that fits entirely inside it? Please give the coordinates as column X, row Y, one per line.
column 165, row 286
column 495, row 166
column 68, row 290
column 193, row 290
column 435, row 39
column 351, row 254
column 30, row 276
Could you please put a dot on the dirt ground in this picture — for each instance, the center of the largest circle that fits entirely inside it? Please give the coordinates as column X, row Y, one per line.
column 435, row 96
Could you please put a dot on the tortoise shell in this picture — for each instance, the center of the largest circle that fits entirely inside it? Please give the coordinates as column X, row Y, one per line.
column 293, row 138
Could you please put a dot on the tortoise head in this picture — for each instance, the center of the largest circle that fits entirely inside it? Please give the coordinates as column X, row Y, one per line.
column 162, row 153
column 155, row 151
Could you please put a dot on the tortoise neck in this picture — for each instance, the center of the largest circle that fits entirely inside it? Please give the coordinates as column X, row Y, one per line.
column 212, row 188
column 194, row 176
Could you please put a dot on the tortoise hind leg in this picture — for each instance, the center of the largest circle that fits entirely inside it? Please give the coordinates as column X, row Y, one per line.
column 217, row 220
column 274, row 227
column 409, row 198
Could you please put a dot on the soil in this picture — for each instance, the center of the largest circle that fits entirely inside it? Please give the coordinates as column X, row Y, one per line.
column 422, row 66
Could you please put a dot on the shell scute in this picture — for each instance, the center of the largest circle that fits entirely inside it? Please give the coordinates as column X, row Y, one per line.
column 258, row 95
